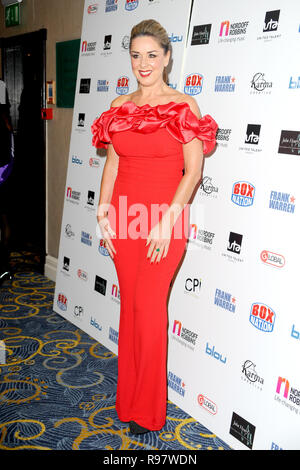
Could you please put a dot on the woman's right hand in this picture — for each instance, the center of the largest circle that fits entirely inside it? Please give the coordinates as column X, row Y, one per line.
column 107, row 234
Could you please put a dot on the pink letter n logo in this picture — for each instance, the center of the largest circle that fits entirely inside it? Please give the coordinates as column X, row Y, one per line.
column 286, row 388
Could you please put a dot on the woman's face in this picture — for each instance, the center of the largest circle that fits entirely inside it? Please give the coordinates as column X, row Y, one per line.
column 148, row 60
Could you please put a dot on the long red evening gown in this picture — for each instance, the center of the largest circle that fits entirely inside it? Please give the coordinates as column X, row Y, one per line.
column 148, row 140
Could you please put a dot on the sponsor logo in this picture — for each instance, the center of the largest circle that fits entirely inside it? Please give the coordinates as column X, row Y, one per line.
column 275, row 446
column 271, row 21
column 100, row 285
column 176, row 383
column 235, row 242
column 111, row 5
column 225, row 83
column 207, row 404
column 201, row 34
column 259, row 85
column 76, row 160
column 193, row 286
column 283, row 202
column 113, row 335
column 273, row 259
column 243, row 193
column 203, row 236
column 88, row 48
column 85, row 85
column 72, row 195
column 242, row 430
column 86, row 238
column 207, row 187
column 183, row 335
column 66, row 264
column 62, row 301
column 262, row 317
column 78, row 312
column 131, row 4
column 223, row 136
column 232, row 32
column 225, row 300
column 289, row 142
column 69, row 232
column 125, row 43
column 122, row 87
column 81, row 119
column 250, row 376
column 94, row 162
column 174, row 38
column 95, row 324
column 92, row 8
column 295, row 334
column 83, row 275
column 294, row 84
column 193, row 84
column 115, row 293
column 102, row 85
column 102, row 249
column 287, row 395
column 107, row 42
column 213, row 353
column 252, row 134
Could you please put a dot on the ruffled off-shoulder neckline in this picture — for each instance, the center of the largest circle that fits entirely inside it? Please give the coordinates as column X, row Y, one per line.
column 177, row 118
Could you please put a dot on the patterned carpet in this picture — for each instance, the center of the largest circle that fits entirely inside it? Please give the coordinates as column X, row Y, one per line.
column 58, row 385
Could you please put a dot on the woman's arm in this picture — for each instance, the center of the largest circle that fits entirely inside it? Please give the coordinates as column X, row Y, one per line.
column 193, row 163
column 109, row 175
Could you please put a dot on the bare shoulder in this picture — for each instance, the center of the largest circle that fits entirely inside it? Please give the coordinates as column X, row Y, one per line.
column 190, row 100
column 119, row 101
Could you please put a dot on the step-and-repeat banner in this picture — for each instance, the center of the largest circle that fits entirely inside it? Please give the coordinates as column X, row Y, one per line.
column 234, row 325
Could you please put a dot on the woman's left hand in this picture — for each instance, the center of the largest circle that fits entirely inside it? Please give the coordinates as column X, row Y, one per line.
column 159, row 237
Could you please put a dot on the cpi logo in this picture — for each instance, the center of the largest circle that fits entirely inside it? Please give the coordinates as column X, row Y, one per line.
column 243, row 193
column 193, row 84
column 122, row 87
column 262, row 317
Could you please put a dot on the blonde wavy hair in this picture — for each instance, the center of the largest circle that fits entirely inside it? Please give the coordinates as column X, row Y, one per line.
column 157, row 31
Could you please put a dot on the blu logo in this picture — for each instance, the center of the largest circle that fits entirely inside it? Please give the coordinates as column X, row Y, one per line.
column 211, row 352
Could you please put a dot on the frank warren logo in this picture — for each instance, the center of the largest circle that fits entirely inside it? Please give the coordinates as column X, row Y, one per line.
column 201, row 34
column 111, row 5
column 283, row 202
column 242, row 430
column 289, row 143
column 287, row 395
column 262, row 317
column 176, row 383
column 185, row 336
column 225, row 83
column 193, row 84
column 225, row 300
column 243, row 193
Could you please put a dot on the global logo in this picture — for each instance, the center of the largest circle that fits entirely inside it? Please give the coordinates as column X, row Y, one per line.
column 207, row 404
column 273, row 259
column 62, row 301
column 193, row 84
column 262, row 317
column 122, row 87
column 243, row 193
column 131, row 4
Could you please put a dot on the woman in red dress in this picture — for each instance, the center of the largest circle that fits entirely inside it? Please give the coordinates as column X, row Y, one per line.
column 152, row 136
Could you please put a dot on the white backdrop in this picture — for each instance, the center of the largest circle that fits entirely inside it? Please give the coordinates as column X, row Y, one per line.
column 234, row 325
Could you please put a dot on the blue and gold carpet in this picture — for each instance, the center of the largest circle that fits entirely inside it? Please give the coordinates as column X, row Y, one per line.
column 58, row 385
